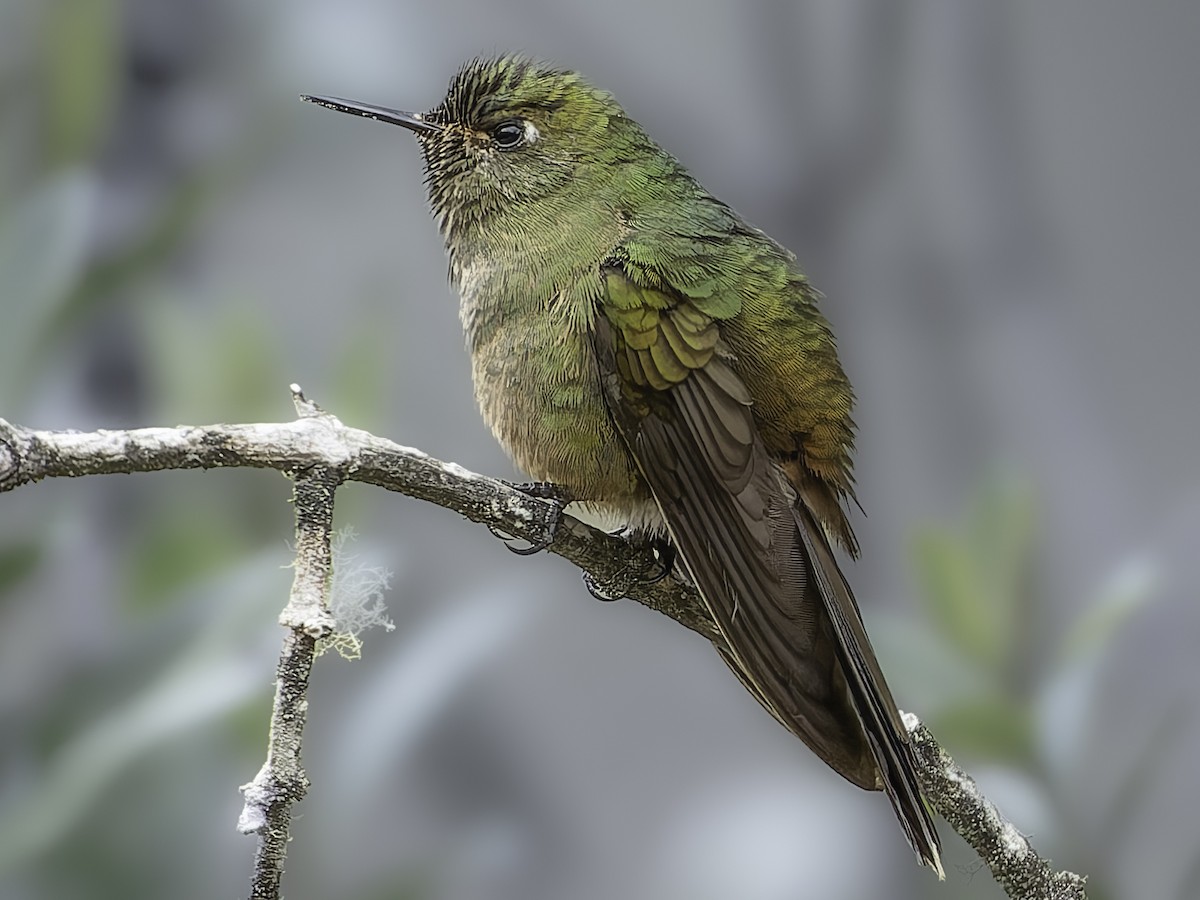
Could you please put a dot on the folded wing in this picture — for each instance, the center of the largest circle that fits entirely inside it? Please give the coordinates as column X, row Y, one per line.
column 758, row 557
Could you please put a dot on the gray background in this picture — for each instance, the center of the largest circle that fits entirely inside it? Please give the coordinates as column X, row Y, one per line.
column 1000, row 202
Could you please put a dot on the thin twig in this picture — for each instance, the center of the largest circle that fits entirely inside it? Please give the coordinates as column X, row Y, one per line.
column 319, row 452
column 1014, row 863
column 282, row 780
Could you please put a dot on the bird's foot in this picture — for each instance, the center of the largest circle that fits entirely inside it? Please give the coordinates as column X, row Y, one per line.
column 626, row 579
column 665, row 555
column 542, row 490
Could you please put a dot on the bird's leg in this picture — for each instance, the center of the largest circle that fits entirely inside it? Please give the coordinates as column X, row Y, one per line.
column 542, row 490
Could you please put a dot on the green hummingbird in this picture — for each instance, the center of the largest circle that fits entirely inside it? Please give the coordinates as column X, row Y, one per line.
column 638, row 343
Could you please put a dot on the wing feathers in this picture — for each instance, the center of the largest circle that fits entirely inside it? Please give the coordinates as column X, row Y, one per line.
column 739, row 543
column 758, row 557
column 731, row 452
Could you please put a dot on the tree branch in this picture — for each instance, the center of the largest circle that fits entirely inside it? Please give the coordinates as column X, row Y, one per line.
column 282, row 780
column 27, row 456
column 1014, row 863
column 319, row 452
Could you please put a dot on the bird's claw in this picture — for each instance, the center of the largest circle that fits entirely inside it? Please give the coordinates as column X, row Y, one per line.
column 528, row 551
column 603, row 591
column 618, row 587
column 541, row 490
column 664, row 558
column 505, row 537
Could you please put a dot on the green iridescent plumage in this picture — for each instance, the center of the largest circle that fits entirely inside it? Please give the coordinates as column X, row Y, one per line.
column 636, row 341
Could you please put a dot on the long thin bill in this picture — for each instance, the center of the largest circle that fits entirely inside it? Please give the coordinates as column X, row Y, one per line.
column 410, row 120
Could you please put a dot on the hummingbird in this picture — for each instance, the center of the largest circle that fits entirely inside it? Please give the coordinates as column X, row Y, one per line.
column 639, row 344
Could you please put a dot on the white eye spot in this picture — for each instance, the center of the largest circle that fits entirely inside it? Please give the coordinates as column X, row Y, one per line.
column 531, row 132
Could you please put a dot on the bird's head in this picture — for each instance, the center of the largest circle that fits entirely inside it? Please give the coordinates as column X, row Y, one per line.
column 512, row 134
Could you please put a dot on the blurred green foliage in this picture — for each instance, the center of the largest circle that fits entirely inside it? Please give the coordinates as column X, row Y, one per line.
column 78, row 72
column 1000, row 673
column 156, row 660
column 977, row 586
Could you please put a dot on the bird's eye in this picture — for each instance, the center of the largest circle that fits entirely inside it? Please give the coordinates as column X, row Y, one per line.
column 509, row 135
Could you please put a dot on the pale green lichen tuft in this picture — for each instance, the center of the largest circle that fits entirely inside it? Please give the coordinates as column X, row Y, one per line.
column 356, row 598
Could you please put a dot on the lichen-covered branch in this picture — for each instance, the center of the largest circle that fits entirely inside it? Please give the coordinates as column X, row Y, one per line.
column 1014, row 863
column 319, row 453
column 282, row 780
column 27, row 455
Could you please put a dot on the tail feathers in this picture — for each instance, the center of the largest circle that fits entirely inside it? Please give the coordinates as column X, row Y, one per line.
column 873, row 701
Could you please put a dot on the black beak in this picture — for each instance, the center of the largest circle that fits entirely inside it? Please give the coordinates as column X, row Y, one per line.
column 412, row 121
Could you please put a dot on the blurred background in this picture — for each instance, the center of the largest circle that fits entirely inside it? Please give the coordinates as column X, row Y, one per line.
column 1001, row 204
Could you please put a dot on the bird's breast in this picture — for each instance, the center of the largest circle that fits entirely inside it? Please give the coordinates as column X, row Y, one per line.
column 538, row 389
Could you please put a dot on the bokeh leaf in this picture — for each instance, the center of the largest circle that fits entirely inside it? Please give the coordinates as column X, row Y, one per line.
column 995, row 727
column 177, row 551
column 920, row 664
column 974, row 579
column 1069, row 696
column 954, row 599
column 361, row 376
column 1127, row 591
column 81, row 62
column 17, row 561
column 222, row 362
